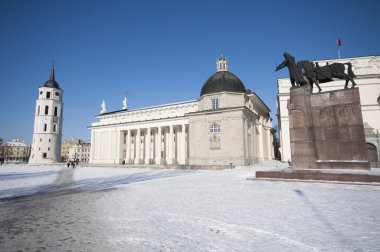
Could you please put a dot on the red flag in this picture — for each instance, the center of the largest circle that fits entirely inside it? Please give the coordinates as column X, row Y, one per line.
column 339, row 42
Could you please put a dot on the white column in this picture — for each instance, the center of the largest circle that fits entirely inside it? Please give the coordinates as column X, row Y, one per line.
column 128, row 153
column 170, row 146
column 245, row 137
column 147, row 145
column 118, row 149
column 137, row 143
column 261, row 143
column 182, row 148
column 158, row 146
column 270, row 143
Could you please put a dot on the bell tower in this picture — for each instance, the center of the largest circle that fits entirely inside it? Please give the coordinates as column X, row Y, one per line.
column 47, row 134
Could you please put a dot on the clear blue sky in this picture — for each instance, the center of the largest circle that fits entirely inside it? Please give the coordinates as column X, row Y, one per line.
column 161, row 51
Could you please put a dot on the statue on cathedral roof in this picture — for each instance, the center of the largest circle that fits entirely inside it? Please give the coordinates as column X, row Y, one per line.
column 103, row 105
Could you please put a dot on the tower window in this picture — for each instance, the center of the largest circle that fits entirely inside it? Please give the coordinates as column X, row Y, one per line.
column 56, row 94
column 44, row 155
column 45, row 127
column 214, row 103
column 54, row 128
column 55, row 111
column 46, row 110
column 214, row 128
column 47, row 95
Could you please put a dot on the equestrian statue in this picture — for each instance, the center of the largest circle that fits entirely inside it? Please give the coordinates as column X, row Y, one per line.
column 306, row 73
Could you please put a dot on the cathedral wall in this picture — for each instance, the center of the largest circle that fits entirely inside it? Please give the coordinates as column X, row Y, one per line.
column 225, row 100
column 217, row 148
column 104, row 144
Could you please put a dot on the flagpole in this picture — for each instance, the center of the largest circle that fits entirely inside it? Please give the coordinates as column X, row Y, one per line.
column 339, row 42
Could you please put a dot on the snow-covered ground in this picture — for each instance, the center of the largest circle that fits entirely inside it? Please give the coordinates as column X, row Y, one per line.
column 55, row 208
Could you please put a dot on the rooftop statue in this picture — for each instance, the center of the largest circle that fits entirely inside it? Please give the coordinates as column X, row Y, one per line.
column 306, row 72
column 103, row 105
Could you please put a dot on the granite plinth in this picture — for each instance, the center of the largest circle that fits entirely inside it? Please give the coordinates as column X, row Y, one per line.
column 326, row 130
column 318, row 176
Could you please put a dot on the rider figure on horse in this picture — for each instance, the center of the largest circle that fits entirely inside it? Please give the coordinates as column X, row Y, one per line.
column 294, row 72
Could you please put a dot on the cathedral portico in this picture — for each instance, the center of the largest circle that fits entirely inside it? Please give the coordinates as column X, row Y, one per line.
column 164, row 143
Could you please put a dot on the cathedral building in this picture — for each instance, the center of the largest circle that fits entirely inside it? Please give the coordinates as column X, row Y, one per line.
column 227, row 125
column 47, row 134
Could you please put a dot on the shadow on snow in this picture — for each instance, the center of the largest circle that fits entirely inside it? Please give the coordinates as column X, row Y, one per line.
column 23, row 175
column 64, row 185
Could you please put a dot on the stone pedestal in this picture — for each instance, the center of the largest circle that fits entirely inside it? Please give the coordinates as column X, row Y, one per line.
column 326, row 130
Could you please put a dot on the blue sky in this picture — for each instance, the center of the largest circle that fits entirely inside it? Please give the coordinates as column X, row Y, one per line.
column 161, row 51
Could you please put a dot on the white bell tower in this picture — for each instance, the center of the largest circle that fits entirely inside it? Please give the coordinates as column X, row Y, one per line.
column 47, row 134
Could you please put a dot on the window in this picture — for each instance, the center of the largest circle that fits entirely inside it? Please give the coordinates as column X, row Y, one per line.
column 214, row 128
column 214, row 103
column 55, row 111
column 54, row 127
column 45, row 127
column 56, row 94
column 44, row 155
column 47, row 95
column 46, row 110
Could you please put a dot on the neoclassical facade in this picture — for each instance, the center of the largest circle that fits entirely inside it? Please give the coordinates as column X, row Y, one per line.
column 367, row 70
column 15, row 150
column 227, row 124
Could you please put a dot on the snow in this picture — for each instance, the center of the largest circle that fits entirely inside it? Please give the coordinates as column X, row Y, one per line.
column 56, row 208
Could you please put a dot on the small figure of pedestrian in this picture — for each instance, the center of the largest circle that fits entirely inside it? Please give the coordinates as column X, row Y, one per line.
column 73, row 164
column 68, row 164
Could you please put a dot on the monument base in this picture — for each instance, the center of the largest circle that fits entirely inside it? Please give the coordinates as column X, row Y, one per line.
column 326, row 130
column 318, row 176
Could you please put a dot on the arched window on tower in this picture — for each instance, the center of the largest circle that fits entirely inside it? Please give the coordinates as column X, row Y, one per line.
column 54, row 127
column 45, row 127
column 46, row 110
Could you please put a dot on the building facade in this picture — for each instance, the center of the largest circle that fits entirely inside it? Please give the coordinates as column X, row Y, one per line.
column 367, row 70
column 227, row 124
column 80, row 152
column 14, row 151
column 47, row 134
column 65, row 148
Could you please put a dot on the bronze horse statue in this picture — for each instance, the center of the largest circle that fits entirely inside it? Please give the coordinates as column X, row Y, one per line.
column 316, row 74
